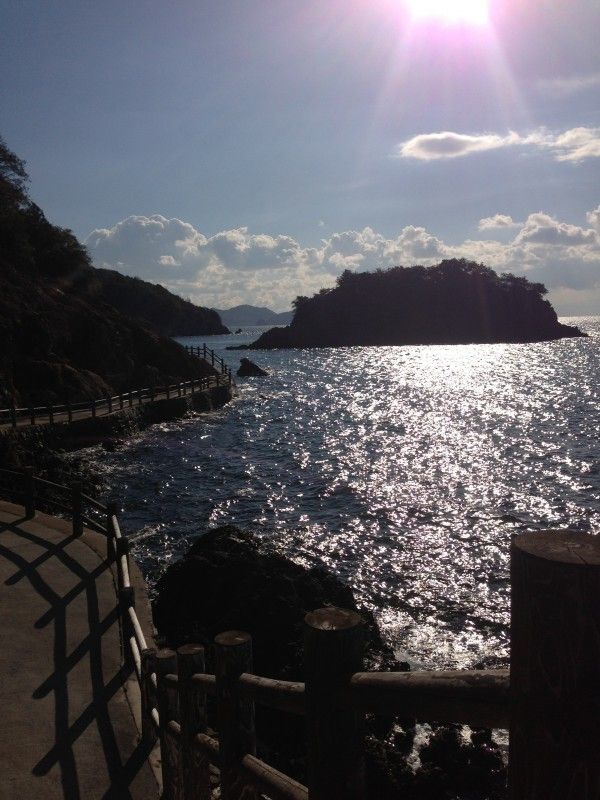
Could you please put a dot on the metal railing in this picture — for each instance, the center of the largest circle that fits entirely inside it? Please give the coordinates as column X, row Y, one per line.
column 69, row 412
column 547, row 701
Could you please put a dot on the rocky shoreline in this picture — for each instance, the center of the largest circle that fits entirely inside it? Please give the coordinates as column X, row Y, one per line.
column 229, row 580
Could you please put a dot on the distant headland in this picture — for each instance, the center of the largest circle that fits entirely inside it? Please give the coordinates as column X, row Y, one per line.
column 455, row 302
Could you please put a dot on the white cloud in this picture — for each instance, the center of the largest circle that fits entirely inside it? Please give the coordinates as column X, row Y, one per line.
column 593, row 218
column 498, row 222
column 576, row 144
column 237, row 266
column 432, row 146
column 561, row 87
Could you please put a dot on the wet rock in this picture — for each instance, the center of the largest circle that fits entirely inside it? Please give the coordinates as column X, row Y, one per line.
column 248, row 369
column 228, row 581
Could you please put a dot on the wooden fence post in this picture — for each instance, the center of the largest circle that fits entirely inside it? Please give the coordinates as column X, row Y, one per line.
column 93, row 408
column 148, row 696
column 121, row 549
column 555, row 666
column 111, row 511
column 32, row 415
column 69, row 410
column 168, row 390
column 333, row 650
column 13, row 414
column 121, row 400
column 126, row 601
column 204, row 351
column 235, row 715
column 166, row 663
column 29, row 493
column 51, row 414
column 77, row 508
column 192, row 716
column 110, row 408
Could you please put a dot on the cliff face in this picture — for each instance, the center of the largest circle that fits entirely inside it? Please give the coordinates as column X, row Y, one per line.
column 456, row 302
column 68, row 329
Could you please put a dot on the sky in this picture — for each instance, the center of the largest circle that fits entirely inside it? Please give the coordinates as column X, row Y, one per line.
column 248, row 151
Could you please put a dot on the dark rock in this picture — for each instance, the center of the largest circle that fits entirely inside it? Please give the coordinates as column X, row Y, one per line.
column 249, row 369
column 228, row 581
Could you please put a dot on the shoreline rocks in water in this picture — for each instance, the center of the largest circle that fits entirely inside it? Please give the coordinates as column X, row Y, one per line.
column 229, row 581
column 248, row 369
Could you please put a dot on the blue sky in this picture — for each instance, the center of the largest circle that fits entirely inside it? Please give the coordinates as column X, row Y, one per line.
column 250, row 151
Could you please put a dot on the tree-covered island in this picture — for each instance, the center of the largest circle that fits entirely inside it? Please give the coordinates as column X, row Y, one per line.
column 455, row 302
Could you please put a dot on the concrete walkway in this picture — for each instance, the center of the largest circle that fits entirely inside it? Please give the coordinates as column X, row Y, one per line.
column 67, row 729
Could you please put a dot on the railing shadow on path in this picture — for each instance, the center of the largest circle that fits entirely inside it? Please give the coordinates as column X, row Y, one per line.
column 98, row 631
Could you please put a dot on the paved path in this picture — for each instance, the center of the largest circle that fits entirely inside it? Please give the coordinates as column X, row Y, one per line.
column 66, row 724
column 103, row 409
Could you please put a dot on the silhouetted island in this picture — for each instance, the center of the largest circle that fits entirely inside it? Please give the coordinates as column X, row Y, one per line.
column 455, row 302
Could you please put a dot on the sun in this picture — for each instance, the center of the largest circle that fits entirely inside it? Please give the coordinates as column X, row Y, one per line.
column 451, row 12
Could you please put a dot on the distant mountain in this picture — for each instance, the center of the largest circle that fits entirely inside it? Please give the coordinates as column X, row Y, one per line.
column 245, row 315
column 455, row 302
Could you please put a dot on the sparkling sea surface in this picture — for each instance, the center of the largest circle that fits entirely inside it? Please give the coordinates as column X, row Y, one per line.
column 405, row 470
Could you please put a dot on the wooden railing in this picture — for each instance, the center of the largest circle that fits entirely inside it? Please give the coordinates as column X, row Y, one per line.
column 69, row 412
column 549, row 701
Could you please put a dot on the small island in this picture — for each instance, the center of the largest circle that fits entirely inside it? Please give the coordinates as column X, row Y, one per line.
column 455, row 302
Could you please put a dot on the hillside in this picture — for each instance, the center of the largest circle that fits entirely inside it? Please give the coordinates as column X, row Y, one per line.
column 58, row 334
column 148, row 303
column 246, row 316
column 455, row 302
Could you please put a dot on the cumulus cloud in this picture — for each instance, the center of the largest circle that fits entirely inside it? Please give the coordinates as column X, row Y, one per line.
column 571, row 84
column 498, row 222
column 576, row 144
column 432, row 146
column 238, row 266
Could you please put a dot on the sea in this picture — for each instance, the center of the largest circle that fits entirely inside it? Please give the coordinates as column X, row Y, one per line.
column 404, row 470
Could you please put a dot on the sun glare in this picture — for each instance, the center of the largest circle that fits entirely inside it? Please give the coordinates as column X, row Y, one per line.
column 452, row 12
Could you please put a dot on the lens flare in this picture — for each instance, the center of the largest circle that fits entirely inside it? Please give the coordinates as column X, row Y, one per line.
column 451, row 12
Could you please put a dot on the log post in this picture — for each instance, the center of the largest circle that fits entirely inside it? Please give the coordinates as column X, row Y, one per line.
column 148, row 696
column 69, row 410
column 333, row 651
column 126, row 601
column 195, row 767
column 110, row 407
column 166, row 664
column 77, row 508
column 93, row 408
column 111, row 511
column 121, row 400
column 51, row 414
column 555, row 666
column 32, row 415
column 130, row 398
column 29, row 493
column 122, row 549
column 204, row 351
column 13, row 414
column 235, row 715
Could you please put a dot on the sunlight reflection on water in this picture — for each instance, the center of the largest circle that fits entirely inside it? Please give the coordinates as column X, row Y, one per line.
column 403, row 469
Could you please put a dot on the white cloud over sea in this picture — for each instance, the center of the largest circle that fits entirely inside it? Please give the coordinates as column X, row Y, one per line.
column 239, row 266
column 575, row 145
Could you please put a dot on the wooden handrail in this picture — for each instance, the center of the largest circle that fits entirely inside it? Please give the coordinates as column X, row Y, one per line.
column 336, row 695
column 14, row 414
